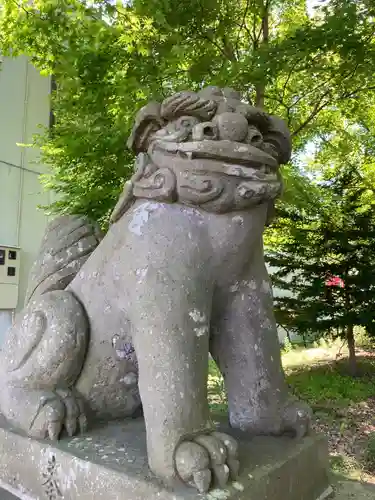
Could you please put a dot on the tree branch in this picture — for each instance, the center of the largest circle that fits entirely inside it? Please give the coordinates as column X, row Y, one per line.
column 260, row 88
column 317, row 109
column 306, row 94
column 356, row 91
column 214, row 43
column 209, row 39
column 242, row 25
column 228, row 49
column 288, row 78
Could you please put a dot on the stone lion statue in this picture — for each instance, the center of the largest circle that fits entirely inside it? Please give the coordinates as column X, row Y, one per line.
column 130, row 318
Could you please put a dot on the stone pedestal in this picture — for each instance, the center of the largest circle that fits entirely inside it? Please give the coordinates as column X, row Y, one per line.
column 111, row 464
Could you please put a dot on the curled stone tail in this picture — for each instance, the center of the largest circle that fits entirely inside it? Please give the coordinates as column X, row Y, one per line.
column 67, row 243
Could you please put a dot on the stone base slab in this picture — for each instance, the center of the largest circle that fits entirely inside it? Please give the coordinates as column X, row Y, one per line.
column 110, row 463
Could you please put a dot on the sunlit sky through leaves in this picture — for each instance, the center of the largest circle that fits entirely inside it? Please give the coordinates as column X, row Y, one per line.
column 312, row 4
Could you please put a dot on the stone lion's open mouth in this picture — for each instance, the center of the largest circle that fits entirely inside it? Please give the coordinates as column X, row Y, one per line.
column 224, row 151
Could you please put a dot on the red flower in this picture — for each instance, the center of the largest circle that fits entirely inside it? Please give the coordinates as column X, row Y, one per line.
column 335, row 281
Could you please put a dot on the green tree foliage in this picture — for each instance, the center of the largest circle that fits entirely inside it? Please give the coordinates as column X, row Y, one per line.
column 337, row 239
column 92, row 62
column 109, row 58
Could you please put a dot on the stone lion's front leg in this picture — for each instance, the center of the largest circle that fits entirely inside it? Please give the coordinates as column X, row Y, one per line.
column 171, row 312
column 246, row 347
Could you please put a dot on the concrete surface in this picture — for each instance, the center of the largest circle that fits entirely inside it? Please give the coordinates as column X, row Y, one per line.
column 112, row 461
column 345, row 490
column 4, row 495
column 350, row 490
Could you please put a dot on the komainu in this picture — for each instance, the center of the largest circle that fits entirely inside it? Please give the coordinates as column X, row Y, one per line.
column 129, row 319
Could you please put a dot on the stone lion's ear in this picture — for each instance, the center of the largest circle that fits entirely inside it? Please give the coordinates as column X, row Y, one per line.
column 279, row 136
column 147, row 121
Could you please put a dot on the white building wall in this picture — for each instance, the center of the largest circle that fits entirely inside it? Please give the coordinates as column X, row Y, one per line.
column 24, row 106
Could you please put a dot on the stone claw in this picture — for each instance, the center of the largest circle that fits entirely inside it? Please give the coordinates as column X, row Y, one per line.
column 234, row 468
column 230, row 443
column 71, row 427
column 202, row 480
column 207, row 458
column 214, row 446
column 297, row 419
column 54, row 430
column 231, row 446
column 221, row 475
column 58, row 410
column 82, row 423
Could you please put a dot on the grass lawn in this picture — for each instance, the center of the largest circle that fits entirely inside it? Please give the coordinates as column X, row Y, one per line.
column 344, row 407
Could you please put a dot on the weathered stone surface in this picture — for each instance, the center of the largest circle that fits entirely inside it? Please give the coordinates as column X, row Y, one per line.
column 66, row 245
column 111, row 462
column 209, row 150
column 41, row 360
column 179, row 274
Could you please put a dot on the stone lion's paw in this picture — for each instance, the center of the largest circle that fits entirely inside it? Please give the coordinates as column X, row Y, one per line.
column 207, row 459
column 58, row 410
column 297, row 418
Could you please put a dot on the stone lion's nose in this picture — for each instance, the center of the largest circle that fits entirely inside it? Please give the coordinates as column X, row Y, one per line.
column 225, row 126
column 231, row 126
column 206, row 130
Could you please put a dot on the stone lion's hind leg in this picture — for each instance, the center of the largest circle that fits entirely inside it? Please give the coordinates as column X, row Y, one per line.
column 40, row 362
column 245, row 345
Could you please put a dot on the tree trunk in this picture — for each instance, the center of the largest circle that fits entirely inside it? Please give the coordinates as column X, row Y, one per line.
column 261, row 87
column 353, row 368
column 288, row 335
column 304, row 340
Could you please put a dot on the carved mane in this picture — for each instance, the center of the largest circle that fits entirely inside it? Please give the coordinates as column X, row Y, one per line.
column 169, row 169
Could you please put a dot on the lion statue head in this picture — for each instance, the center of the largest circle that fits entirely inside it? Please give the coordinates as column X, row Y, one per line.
column 207, row 149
